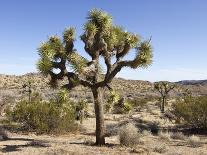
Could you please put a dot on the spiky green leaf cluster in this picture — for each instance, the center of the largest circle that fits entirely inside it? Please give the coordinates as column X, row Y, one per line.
column 44, row 65
column 77, row 62
column 69, row 35
column 49, row 52
column 63, row 96
column 102, row 20
column 90, row 29
column 144, row 55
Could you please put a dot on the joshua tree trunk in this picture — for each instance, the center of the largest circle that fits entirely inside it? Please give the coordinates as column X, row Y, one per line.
column 163, row 104
column 100, row 129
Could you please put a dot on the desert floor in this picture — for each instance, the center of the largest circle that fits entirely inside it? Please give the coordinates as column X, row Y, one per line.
column 82, row 141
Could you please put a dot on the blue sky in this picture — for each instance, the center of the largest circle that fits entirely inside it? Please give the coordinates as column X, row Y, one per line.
column 178, row 29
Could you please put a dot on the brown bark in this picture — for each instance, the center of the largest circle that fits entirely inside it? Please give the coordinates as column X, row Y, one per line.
column 100, row 128
column 163, row 104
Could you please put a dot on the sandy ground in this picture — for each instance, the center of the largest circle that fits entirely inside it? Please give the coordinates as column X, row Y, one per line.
column 82, row 142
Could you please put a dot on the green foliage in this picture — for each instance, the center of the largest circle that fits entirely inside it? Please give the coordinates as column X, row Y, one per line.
column 111, row 100
column 114, row 103
column 192, row 110
column 82, row 105
column 127, row 107
column 101, row 19
column 69, row 35
column 122, row 108
column 144, row 55
column 77, row 62
column 44, row 117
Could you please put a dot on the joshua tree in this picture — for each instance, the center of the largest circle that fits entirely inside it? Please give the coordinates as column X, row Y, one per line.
column 101, row 39
column 163, row 88
column 27, row 87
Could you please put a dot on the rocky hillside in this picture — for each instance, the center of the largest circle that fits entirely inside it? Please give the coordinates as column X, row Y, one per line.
column 12, row 85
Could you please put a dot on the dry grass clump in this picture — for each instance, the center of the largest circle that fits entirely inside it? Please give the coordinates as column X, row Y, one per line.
column 160, row 149
column 177, row 135
column 129, row 135
column 165, row 136
column 194, row 141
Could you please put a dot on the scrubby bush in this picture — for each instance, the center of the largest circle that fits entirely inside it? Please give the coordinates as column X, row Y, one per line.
column 177, row 135
column 192, row 110
column 165, row 136
column 160, row 149
column 44, row 117
column 129, row 135
column 194, row 141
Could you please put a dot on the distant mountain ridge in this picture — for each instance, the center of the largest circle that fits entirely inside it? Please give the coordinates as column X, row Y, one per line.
column 192, row 82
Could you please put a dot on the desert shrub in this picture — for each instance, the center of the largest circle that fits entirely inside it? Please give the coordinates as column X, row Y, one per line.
column 164, row 136
column 177, row 135
column 129, row 135
column 193, row 110
column 194, row 141
column 160, row 149
column 36, row 96
column 44, row 117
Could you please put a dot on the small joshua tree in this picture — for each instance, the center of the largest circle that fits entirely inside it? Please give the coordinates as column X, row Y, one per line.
column 101, row 39
column 163, row 88
column 27, row 87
